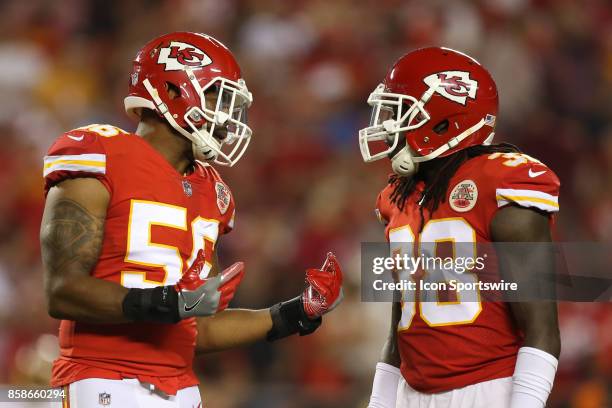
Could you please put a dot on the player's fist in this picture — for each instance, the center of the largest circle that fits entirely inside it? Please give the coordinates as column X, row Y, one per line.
column 324, row 291
column 205, row 297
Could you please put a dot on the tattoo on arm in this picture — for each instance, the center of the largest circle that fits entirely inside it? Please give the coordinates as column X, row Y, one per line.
column 71, row 238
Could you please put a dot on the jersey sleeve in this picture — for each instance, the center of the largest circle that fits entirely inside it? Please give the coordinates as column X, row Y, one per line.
column 76, row 154
column 530, row 185
column 227, row 217
column 229, row 224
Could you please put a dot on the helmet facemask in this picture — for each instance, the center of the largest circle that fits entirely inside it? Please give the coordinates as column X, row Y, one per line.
column 218, row 127
column 392, row 115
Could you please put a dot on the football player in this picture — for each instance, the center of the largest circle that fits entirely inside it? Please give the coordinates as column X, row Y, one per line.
column 434, row 118
column 130, row 231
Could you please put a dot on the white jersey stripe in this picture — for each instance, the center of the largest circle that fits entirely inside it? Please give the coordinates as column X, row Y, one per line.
column 526, row 193
column 527, row 198
column 74, row 167
column 91, row 163
column 91, row 157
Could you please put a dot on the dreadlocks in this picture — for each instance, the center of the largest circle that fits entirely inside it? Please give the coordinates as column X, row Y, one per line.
column 437, row 174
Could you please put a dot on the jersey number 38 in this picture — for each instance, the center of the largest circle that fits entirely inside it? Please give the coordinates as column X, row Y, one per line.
column 462, row 237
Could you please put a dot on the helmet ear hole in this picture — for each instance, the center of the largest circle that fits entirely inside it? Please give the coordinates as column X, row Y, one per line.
column 173, row 90
column 441, row 127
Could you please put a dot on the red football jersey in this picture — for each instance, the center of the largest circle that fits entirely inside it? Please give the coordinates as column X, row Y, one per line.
column 448, row 344
column 157, row 221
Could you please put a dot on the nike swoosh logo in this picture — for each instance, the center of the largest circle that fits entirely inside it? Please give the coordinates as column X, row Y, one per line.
column 77, row 138
column 190, row 308
column 533, row 174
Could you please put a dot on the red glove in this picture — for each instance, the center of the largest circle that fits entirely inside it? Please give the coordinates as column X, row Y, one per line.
column 205, row 297
column 324, row 291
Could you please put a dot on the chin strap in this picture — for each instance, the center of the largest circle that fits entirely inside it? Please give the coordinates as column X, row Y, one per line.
column 405, row 164
column 451, row 143
column 201, row 151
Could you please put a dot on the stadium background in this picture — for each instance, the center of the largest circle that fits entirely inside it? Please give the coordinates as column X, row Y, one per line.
column 302, row 187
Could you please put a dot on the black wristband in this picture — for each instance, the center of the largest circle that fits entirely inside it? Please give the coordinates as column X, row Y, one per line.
column 158, row 304
column 290, row 318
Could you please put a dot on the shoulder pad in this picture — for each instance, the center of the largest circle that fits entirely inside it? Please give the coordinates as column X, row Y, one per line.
column 524, row 181
column 78, row 153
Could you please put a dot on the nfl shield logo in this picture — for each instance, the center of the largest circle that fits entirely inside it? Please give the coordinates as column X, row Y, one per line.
column 187, row 188
column 223, row 197
column 104, row 399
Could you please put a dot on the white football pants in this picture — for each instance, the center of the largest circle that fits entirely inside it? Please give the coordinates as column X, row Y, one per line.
column 487, row 394
column 127, row 393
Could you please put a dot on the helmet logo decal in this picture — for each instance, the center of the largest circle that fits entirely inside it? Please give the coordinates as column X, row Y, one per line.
column 455, row 85
column 179, row 56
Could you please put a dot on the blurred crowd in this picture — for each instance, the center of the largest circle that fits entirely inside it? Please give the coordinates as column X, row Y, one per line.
column 302, row 188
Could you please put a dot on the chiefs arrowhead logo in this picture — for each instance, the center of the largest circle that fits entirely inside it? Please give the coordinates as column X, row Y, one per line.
column 455, row 85
column 179, row 56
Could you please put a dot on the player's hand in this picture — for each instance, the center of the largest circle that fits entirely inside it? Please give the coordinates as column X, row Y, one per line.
column 205, row 297
column 303, row 314
column 324, row 291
